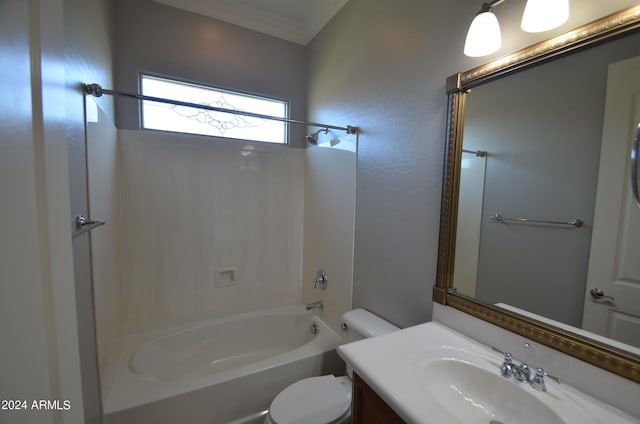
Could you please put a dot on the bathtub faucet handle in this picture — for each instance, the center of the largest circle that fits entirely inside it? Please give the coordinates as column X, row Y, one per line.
column 321, row 280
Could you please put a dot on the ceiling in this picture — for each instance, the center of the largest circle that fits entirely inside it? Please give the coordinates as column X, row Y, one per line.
column 293, row 20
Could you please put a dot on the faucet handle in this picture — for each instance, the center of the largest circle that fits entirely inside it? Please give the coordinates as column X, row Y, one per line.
column 522, row 373
column 554, row 378
column 506, row 369
column 538, row 380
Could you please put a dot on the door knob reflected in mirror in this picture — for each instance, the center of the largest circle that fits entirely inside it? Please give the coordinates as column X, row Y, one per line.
column 598, row 294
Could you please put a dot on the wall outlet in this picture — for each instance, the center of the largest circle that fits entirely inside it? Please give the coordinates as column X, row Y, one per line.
column 226, row 277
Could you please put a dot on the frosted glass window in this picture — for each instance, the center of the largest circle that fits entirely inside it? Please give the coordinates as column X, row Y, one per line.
column 167, row 117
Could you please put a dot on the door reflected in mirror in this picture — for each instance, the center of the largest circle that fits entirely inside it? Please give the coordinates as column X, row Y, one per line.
column 557, row 139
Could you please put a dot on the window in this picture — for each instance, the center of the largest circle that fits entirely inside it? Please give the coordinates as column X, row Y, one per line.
column 167, row 117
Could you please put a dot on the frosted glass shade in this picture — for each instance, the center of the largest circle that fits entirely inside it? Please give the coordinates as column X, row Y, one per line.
column 483, row 37
column 544, row 15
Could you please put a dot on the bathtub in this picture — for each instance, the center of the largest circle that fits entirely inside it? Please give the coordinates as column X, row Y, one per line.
column 219, row 371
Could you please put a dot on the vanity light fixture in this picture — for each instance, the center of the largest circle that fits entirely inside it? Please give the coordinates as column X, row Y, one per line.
column 484, row 38
column 544, row 15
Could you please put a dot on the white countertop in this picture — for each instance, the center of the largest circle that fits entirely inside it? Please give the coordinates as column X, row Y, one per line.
column 391, row 365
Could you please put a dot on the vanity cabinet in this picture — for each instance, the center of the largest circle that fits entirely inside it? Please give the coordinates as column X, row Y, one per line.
column 368, row 407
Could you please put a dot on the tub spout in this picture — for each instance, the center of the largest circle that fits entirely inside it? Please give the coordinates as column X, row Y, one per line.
column 314, row 305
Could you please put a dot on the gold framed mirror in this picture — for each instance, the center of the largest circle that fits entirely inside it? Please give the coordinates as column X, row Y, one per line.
column 615, row 26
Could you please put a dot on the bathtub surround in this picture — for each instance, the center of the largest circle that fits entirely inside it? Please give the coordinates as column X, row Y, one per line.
column 196, row 206
column 329, row 211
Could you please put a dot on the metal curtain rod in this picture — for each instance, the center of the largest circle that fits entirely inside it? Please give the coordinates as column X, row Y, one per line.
column 574, row 222
column 97, row 91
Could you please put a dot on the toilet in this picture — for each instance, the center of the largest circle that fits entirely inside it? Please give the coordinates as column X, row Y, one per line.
column 326, row 399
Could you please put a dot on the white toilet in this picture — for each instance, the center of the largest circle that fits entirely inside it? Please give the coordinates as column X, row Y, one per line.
column 326, row 399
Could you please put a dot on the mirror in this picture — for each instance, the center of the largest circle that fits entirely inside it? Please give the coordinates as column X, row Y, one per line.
column 539, row 173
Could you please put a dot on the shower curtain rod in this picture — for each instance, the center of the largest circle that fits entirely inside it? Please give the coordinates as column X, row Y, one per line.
column 97, row 91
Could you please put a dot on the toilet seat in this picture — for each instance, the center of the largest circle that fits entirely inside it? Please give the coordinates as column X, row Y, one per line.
column 315, row 400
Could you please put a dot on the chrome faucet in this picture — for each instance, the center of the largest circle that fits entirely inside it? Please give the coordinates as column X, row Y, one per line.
column 314, row 305
column 523, row 373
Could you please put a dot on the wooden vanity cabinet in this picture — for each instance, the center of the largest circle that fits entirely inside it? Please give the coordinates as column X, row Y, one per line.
column 368, row 407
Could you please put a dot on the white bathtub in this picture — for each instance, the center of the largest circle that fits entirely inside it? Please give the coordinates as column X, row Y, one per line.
column 218, row 371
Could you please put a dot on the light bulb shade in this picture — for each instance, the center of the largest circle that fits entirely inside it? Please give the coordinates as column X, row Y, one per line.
column 483, row 37
column 544, row 15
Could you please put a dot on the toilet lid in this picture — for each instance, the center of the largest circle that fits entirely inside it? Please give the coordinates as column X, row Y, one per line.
column 315, row 400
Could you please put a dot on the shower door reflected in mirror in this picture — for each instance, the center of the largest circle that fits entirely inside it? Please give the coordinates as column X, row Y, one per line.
column 542, row 131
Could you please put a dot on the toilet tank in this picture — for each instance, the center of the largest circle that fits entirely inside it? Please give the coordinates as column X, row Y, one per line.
column 362, row 324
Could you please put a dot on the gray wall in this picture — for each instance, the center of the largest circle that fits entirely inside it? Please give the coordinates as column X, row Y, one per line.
column 381, row 66
column 542, row 130
column 154, row 38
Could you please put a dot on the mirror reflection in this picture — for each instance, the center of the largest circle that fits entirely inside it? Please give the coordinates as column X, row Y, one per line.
column 547, row 155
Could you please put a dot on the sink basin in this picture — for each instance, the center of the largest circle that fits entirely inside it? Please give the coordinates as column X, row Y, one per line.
column 476, row 396
column 468, row 386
